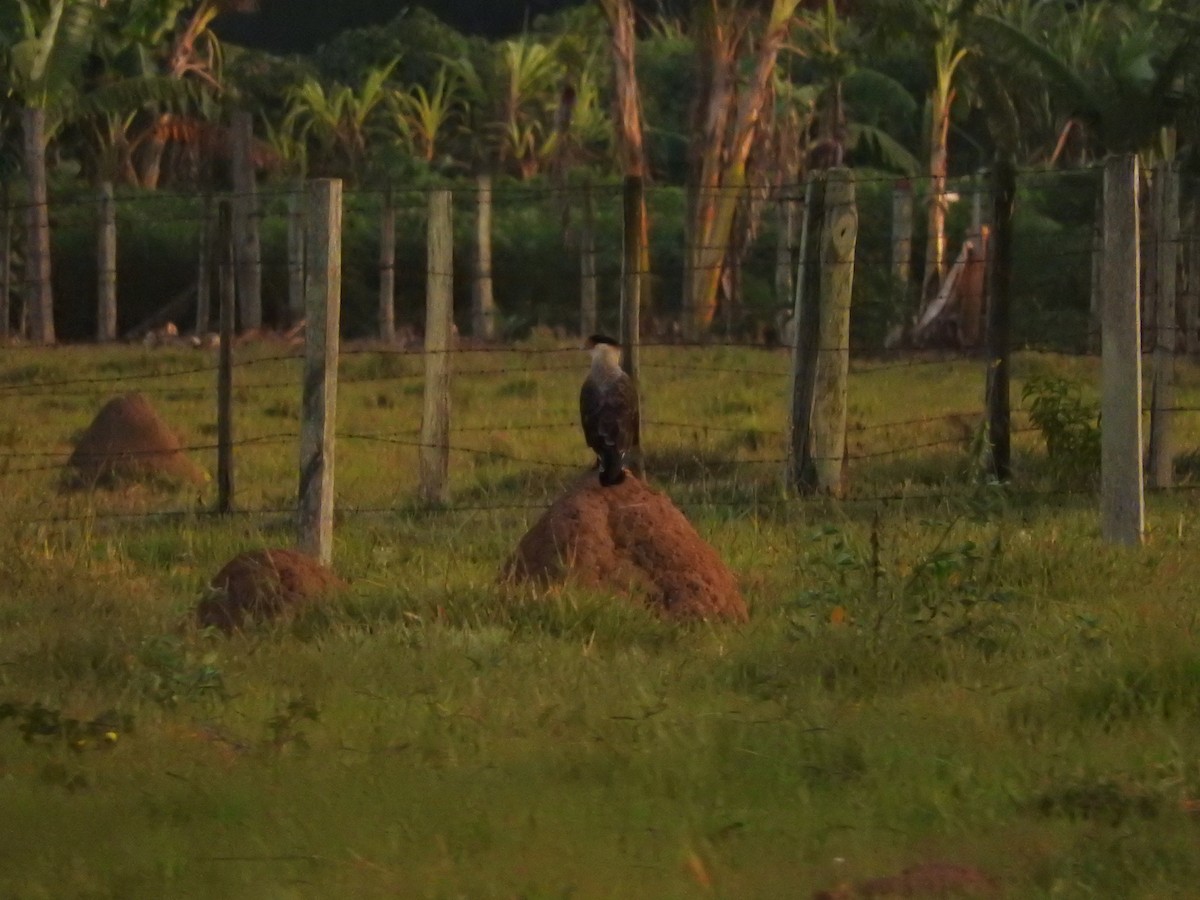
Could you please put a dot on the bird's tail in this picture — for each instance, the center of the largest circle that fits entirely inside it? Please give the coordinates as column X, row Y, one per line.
column 611, row 470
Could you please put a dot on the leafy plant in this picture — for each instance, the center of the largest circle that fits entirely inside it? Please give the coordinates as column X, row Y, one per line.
column 1069, row 424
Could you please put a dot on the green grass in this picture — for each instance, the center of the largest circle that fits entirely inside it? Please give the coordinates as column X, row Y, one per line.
column 934, row 670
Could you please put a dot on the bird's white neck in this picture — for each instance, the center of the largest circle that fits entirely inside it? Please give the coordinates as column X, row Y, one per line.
column 606, row 359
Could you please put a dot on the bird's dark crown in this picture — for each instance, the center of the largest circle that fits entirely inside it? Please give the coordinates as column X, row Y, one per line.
column 597, row 339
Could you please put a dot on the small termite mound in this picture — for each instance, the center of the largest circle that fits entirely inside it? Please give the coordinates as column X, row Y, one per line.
column 630, row 540
column 262, row 586
column 128, row 442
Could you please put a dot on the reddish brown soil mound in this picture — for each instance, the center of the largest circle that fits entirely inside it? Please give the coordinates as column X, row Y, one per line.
column 264, row 584
column 631, row 539
column 128, row 441
column 931, row 879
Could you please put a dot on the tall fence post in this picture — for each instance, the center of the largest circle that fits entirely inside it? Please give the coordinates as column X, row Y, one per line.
column 1190, row 296
column 106, row 265
column 319, row 403
column 387, row 267
column 838, row 240
column 587, row 264
column 204, row 258
column 225, row 360
column 1166, row 257
column 38, row 307
column 6, row 237
column 1121, row 490
column 806, row 320
column 633, row 277
column 999, row 302
column 434, row 468
column 902, row 245
column 295, row 253
column 483, row 300
column 245, row 222
column 785, row 244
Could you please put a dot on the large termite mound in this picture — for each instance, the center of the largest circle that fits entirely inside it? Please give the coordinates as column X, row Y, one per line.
column 129, row 442
column 262, row 585
column 632, row 540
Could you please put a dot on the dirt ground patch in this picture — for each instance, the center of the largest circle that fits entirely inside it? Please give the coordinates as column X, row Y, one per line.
column 632, row 540
column 261, row 585
column 129, row 442
column 925, row 880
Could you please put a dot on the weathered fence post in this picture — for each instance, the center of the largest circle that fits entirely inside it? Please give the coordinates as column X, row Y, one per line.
column 295, row 253
column 1121, row 490
column 785, row 244
column 39, row 292
column 106, row 266
column 483, row 301
column 999, row 302
column 805, row 327
column 387, row 267
column 1166, row 257
column 1096, row 296
column 434, row 465
column 902, row 244
column 6, row 237
column 204, row 257
column 838, row 240
column 1190, row 247
column 247, row 245
column 225, row 360
column 633, row 280
column 587, row 264
column 319, row 403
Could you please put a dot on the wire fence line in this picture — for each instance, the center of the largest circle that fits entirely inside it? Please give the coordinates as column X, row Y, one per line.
column 1053, row 286
column 694, row 362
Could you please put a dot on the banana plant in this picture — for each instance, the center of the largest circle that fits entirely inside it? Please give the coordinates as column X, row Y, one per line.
column 338, row 121
column 424, row 116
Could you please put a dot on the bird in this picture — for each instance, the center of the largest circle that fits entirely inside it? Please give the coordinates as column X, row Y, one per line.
column 608, row 409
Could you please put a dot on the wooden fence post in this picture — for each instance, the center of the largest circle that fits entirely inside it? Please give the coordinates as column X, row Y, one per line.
column 1190, row 247
column 633, row 280
column 297, row 278
column 806, row 325
column 785, row 245
column 387, row 267
column 1121, row 490
column 1166, row 257
column 999, row 302
column 204, row 257
column 246, row 214
column 106, row 265
column 838, row 240
column 39, row 292
column 225, row 360
column 587, row 264
column 434, row 465
column 902, row 245
column 319, row 403
column 6, row 237
column 483, row 301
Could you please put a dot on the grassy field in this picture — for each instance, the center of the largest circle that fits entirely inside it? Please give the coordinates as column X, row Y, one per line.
column 935, row 671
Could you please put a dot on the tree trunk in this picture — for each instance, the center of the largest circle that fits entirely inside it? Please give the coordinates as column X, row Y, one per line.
column 39, row 296
column 723, row 177
column 483, row 301
column 627, row 116
column 935, row 246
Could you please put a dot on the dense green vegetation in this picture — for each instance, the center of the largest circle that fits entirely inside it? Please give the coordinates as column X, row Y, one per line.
column 140, row 91
column 974, row 678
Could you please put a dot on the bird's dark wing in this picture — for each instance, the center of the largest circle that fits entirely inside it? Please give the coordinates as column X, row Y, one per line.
column 623, row 401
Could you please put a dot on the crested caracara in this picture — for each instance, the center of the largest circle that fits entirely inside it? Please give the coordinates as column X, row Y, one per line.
column 608, row 409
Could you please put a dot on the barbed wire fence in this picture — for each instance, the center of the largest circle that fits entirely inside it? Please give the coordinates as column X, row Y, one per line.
column 400, row 365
